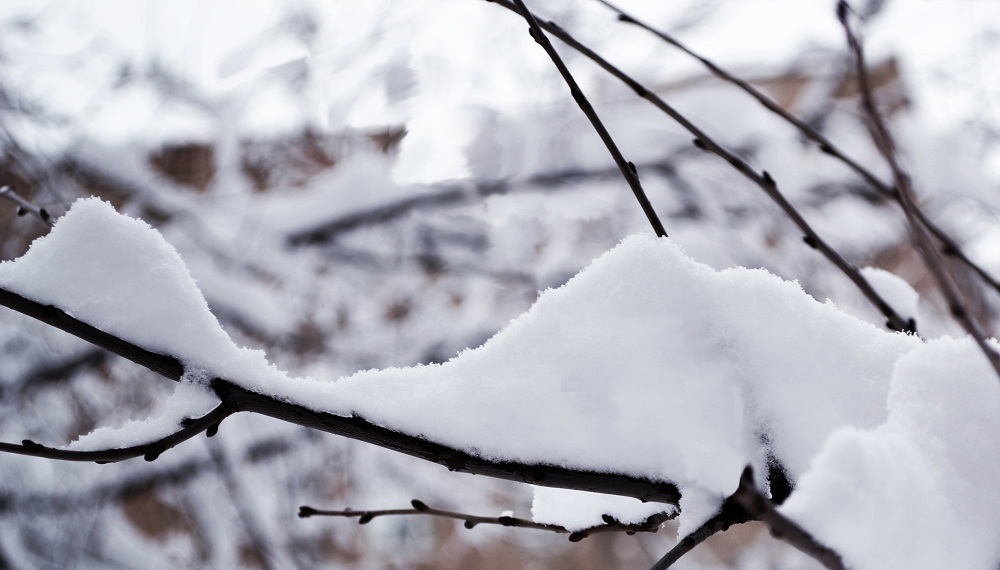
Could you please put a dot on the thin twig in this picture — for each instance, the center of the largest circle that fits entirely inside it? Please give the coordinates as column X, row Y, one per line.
column 628, row 169
column 450, row 194
column 886, row 145
column 150, row 451
column 948, row 244
column 763, row 180
column 24, row 206
column 651, row 524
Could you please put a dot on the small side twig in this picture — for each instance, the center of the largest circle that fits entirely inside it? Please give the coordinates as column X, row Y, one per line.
column 651, row 524
column 208, row 423
column 886, row 145
column 628, row 169
column 24, row 206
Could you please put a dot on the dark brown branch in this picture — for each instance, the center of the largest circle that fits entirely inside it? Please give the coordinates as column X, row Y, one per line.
column 763, row 180
column 758, row 507
column 237, row 398
column 651, row 524
column 730, row 514
column 886, row 145
column 628, row 169
column 150, row 451
column 948, row 245
column 24, row 206
column 163, row 365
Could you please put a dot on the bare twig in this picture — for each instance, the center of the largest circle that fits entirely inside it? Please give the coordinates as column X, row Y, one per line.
column 948, row 244
column 150, row 451
column 763, row 180
column 24, row 206
column 886, row 145
column 628, row 169
column 651, row 524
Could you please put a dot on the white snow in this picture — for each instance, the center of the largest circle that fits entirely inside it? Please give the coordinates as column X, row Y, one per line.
column 917, row 491
column 900, row 295
column 646, row 363
column 577, row 510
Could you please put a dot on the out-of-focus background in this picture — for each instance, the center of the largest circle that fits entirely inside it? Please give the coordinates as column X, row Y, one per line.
column 385, row 183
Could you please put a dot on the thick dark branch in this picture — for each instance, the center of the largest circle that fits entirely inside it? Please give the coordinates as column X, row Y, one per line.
column 948, row 245
column 729, row 515
column 237, row 398
column 163, row 365
column 758, row 507
column 628, row 169
column 24, row 206
column 150, row 451
column 763, row 180
column 356, row 427
column 886, row 144
column 651, row 524
column 447, row 195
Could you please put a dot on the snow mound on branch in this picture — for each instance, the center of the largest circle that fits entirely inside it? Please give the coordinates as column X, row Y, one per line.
column 118, row 274
column 646, row 363
column 918, row 491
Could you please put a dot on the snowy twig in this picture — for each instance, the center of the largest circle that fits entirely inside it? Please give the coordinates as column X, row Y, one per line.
column 886, row 145
column 948, row 244
column 150, row 451
column 628, row 169
column 763, row 180
column 758, row 507
column 237, row 398
column 24, row 206
column 651, row 524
